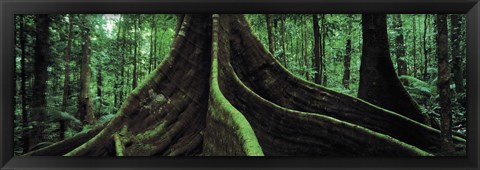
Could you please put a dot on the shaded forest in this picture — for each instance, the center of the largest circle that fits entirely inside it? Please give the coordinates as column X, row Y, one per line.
column 254, row 84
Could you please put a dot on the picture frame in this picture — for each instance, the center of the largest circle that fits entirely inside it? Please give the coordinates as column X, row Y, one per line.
column 9, row 8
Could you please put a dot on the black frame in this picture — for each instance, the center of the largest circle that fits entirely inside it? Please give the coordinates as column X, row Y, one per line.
column 8, row 8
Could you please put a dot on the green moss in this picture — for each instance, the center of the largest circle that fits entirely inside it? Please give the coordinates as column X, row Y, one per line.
column 152, row 133
column 221, row 108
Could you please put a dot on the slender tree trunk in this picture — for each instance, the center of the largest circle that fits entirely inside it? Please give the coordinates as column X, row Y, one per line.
column 99, row 85
column 425, row 52
column 41, row 58
column 346, row 64
column 85, row 110
column 155, row 55
column 443, row 85
column 150, row 60
column 455, row 22
column 379, row 84
column 348, row 57
column 271, row 40
column 116, row 87
column 23, row 79
column 316, row 51
column 135, row 44
column 414, row 50
column 304, row 49
column 124, row 52
column 323, row 37
column 66, row 81
column 399, row 44
column 282, row 42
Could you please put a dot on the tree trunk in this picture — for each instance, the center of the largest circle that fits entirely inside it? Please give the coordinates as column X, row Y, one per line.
column 414, row 49
column 124, row 52
column 379, row 84
column 306, row 67
column 23, row 90
column 425, row 51
column 271, row 40
column 150, row 60
column 155, row 54
column 400, row 46
column 66, row 80
column 99, row 85
column 316, row 51
column 323, row 37
column 135, row 48
column 85, row 104
column 455, row 22
column 41, row 58
column 346, row 64
column 282, row 41
column 443, row 85
column 348, row 53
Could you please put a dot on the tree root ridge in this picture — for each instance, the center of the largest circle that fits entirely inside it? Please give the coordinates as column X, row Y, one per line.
column 220, row 93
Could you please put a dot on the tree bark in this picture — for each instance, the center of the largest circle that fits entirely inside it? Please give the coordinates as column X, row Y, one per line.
column 379, row 84
column 41, row 58
column 455, row 22
column 399, row 45
column 443, row 84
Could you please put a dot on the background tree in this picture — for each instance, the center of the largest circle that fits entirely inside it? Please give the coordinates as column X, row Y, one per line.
column 348, row 57
column 41, row 60
column 443, row 84
column 378, row 82
column 66, row 81
column 455, row 27
column 399, row 45
column 316, row 51
column 85, row 105
column 271, row 40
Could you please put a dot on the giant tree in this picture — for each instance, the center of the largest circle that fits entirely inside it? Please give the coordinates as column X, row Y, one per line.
column 220, row 92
